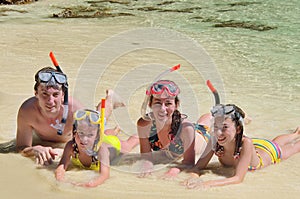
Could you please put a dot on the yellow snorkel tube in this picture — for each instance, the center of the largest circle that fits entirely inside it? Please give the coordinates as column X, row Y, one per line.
column 109, row 139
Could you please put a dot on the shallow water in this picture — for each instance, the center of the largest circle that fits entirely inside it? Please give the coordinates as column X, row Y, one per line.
column 258, row 70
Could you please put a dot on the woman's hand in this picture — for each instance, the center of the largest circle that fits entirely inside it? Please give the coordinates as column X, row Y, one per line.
column 146, row 169
column 171, row 174
column 196, row 183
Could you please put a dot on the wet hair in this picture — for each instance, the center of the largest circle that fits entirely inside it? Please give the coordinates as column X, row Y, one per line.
column 176, row 118
column 236, row 118
column 38, row 82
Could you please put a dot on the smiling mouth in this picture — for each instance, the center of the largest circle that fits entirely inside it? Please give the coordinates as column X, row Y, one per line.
column 50, row 107
column 162, row 115
column 221, row 139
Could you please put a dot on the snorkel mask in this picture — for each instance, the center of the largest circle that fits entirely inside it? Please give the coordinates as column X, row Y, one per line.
column 91, row 119
column 52, row 78
column 157, row 88
column 221, row 110
column 161, row 86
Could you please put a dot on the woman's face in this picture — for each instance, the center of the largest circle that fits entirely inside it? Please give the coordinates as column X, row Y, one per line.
column 224, row 130
column 163, row 108
column 86, row 135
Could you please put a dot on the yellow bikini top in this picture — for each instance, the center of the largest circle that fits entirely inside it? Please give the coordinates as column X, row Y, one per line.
column 95, row 165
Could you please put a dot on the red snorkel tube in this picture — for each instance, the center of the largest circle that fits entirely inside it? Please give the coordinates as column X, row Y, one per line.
column 214, row 91
column 146, row 100
column 61, row 126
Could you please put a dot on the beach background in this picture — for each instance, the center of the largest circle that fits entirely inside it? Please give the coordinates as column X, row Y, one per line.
column 254, row 62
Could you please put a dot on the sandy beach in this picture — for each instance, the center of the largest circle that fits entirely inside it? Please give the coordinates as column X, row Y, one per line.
column 25, row 48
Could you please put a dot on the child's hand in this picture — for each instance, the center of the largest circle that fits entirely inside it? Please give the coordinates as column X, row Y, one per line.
column 85, row 184
column 147, row 168
column 60, row 173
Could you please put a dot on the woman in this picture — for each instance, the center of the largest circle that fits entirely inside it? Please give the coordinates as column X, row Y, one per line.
column 166, row 134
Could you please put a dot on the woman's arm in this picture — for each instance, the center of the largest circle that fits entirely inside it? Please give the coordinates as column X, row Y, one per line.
column 143, row 128
column 187, row 136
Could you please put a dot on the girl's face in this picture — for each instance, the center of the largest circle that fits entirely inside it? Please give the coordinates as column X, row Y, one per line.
column 224, row 130
column 163, row 108
column 86, row 135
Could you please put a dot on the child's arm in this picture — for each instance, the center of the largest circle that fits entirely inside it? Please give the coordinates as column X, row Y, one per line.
column 104, row 171
column 64, row 162
column 241, row 169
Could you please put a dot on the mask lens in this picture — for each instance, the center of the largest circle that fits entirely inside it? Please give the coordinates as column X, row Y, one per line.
column 228, row 109
column 172, row 88
column 158, row 87
column 79, row 115
column 45, row 76
column 94, row 117
column 60, row 78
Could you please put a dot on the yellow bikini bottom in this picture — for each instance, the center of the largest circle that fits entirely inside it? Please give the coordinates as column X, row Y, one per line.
column 271, row 148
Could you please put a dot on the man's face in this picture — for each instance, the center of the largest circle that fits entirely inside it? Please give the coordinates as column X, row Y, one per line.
column 50, row 100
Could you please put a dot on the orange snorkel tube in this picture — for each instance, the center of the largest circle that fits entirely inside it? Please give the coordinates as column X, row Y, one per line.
column 61, row 126
column 146, row 100
column 214, row 91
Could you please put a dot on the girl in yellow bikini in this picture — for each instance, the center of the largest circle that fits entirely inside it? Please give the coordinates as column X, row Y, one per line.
column 236, row 150
column 90, row 148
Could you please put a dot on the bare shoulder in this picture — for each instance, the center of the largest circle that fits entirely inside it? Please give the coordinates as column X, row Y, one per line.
column 142, row 123
column 30, row 103
column 187, row 125
column 28, row 108
column 247, row 142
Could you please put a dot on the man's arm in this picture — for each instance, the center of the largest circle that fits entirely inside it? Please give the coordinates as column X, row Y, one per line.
column 24, row 129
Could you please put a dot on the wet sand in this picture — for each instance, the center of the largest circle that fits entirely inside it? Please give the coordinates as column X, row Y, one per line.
column 25, row 48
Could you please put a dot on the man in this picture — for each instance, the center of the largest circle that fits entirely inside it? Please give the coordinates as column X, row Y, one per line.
column 42, row 115
column 39, row 114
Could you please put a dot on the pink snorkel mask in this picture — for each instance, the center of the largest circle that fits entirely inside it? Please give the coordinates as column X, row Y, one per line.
column 159, row 87
column 162, row 86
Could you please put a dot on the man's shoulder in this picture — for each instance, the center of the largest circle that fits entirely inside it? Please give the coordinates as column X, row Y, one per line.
column 28, row 107
column 29, row 103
